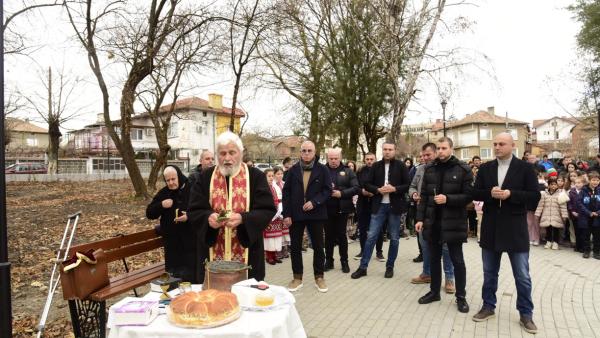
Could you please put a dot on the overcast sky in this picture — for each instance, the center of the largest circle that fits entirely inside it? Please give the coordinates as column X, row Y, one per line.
column 522, row 54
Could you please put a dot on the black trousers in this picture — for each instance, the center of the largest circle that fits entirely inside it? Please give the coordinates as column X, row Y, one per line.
column 315, row 232
column 472, row 217
column 585, row 236
column 364, row 219
column 552, row 234
column 460, row 272
column 335, row 231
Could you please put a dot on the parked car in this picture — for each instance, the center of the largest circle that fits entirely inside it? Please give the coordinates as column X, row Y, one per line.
column 262, row 166
column 26, row 168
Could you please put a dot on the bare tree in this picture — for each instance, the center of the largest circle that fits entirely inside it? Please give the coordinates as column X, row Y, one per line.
column 153, row 22
column 246, row 27
column 54, row 107
column 192, row 52
column 293, row 53
column 14, row 38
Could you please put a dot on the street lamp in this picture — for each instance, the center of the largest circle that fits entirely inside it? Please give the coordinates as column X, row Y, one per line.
column 444, row 103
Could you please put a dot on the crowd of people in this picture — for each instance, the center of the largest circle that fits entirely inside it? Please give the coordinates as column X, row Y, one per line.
column 509, row 204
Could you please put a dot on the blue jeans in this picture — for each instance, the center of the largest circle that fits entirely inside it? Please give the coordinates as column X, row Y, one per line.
column 377, row 221
column 520, row 268
column 448, row 267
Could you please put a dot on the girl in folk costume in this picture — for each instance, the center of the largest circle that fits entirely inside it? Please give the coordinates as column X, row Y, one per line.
column 285, row 229
column 552, row 214
column 272, row 235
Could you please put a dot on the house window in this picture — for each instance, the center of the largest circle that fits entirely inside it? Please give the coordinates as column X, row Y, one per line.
column 485, row 134
column 205, row 127
column 485, row 153
column 464, row 153
column 32, row 141
column 172, row 132
column 199, row 129
column 467, row 138
column 204, row 113
column 149, row 132
column 137, row 134
column 514, row 134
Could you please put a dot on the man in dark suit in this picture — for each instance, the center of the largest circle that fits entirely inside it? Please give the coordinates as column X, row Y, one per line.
column 305, row 195
column 507, row 186
column 388, row 182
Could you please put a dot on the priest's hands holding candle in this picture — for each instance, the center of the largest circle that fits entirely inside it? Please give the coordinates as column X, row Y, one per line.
column 500, row 194
column 233, row 220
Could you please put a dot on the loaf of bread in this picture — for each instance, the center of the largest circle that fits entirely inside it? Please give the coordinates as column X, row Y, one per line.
column 208, row 308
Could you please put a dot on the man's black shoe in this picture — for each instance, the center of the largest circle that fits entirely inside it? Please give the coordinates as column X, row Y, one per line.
column 345, row 267
column 389, row 272
column 328, row 265
column 462, row 305
column 418, row 259
column 358, row 273
column 586, row 254
column 429, row 298
column 596, row 255
column 359, row 256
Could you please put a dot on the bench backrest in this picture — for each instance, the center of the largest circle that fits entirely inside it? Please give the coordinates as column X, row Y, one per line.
column 123, row 246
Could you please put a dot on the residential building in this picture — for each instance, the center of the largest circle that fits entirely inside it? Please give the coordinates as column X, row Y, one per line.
column 25, row 137
column 474, row 134
column 194, row 126
column 554, row 129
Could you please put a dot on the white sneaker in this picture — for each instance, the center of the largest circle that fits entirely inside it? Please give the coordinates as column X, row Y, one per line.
column 555, row 246
column 536, row 243
column 548, row 245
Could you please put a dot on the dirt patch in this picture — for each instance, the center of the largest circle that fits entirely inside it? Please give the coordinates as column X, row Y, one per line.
column 37, row 215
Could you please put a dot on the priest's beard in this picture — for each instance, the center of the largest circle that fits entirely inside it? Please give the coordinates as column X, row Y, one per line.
column 229, row 171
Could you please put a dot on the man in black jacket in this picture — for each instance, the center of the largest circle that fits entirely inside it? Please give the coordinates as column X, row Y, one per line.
column 442, row 216
column 388, row 182
column 305, row 194
column 339, row 206
column 363, row 206
column 207, row 160
column 507, row 187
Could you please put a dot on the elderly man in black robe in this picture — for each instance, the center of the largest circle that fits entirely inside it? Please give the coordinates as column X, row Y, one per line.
column 232, row 197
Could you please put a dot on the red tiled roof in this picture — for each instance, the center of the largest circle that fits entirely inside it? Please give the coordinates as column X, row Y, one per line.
column 479, row 117
column 24, row 126
column 537, row 123
column 201, row 104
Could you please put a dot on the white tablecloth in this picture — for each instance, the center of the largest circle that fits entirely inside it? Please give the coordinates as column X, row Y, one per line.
column 280, row 323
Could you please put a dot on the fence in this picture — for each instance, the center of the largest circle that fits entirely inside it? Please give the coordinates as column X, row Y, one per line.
column 85, row 169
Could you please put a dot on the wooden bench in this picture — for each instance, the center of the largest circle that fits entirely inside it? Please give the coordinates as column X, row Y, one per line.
column 89, row 315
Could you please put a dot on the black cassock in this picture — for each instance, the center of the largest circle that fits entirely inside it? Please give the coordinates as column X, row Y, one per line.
column 250, row 232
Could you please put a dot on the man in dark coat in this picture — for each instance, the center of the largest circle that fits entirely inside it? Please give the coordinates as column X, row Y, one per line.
column 339, row 206
column 207, row 160
column 508, row 187
column 388, row 182
column 363, row 206
column 442, row 216
column 246, row 224
column 170, row 205
column 305, row 195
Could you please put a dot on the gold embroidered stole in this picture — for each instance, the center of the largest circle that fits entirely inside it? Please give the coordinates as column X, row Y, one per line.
column 232, row 198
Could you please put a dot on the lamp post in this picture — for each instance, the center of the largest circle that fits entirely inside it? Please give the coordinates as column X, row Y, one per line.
column 5, row 286
column 444, row 103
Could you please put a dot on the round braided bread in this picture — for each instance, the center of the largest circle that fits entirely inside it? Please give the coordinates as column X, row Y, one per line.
column 206, row 308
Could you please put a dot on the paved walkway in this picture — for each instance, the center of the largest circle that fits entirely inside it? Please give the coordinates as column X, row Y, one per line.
column 566, row 296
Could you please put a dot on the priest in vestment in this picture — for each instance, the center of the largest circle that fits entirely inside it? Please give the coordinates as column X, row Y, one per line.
column 240, row 192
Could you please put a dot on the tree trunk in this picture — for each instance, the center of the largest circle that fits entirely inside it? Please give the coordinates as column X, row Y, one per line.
column 236, row 89
column 161, row 159
column 54, row 140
